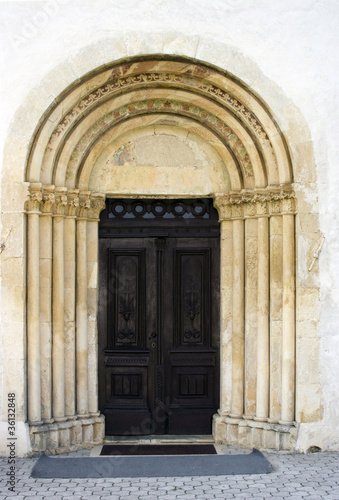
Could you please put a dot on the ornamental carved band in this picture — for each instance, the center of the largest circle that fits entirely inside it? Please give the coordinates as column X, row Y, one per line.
column 257, row 203
column 51, row 200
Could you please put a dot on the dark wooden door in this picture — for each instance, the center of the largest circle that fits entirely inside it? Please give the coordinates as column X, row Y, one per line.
column 159, row 317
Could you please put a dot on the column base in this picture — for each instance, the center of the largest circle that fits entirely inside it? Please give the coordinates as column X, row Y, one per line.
column 250, row 433
column 71, row 434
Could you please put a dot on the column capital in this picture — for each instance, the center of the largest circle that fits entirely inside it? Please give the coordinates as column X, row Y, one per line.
column 97, row 204
column 60, row 203
column 72, row 202
column 84, row 204
column 221, row 203
column 35, row 197
column 255, row 203
column 48, row 199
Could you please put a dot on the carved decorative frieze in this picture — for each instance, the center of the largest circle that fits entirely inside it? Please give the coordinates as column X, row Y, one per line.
column 142, row 79
column 62, row 202
column 255, row 203
column 84, row 204
column 168, row 106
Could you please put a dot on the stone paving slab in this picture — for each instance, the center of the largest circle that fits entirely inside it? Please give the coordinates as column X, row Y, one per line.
column 313, row 477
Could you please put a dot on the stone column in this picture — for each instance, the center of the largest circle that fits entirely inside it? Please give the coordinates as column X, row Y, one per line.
column 70, row 280
column 33, row 327
column 81, row 306
column 58, row 350
column 97, row 204
column 226, row 296
column 251, row 311
column 288, row 341
column 263, row 317
column 237, row 406
column 276, row 305
column 46, row 301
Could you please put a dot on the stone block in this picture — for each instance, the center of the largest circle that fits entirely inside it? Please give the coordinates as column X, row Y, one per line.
column 52, row 442
column 270, row 439
column 87, row 434
column 307, row 355
column 287, row 440
column 64, row 440
column 307, row 304
column 76, row 433
column 245, row 436
column 38, row 441
column 308, row 223
column 14, row 381
column 178, row 45
column 303, row 162
column 257, row 437
column 143, row 43
column 13, row 343
column 99, row 431
column 307, row 329
column 219, row 429
column 309, row 407
column 232, row 434
column 13, row 235
column 295, row 126
column 13, row 272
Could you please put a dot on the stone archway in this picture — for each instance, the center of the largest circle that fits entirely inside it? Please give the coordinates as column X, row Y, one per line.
column 91, row 144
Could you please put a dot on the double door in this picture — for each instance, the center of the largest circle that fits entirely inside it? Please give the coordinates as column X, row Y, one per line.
column 159, row 332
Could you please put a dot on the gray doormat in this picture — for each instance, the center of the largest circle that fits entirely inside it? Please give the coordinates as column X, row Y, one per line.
column 151, row 466
column 158, row 449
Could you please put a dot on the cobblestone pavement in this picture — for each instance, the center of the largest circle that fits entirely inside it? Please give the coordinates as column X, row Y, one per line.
column 313, row 476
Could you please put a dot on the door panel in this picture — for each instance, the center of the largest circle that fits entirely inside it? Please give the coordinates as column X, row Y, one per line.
column 159, row 332
column 192, row 293
column 126, row 296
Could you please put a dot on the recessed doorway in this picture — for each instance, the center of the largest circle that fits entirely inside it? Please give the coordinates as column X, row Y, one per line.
column 158, row 318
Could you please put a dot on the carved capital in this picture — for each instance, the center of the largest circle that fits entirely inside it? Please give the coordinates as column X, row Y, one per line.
column 288, row 204
column 60, row 203
column 72, row 202
column 35, row 197
column 255, row 203
column 221, row 203
column 97, row 204
column 260, row 198
column 282, row 200
column 48, row 199
column 84, row 204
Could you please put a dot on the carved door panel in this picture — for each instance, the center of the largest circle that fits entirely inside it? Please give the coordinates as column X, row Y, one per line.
column 158, row 328
column 127, row 357
column 190, row 334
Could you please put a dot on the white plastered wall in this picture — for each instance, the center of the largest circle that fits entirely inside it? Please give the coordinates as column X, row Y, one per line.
column 284, row 50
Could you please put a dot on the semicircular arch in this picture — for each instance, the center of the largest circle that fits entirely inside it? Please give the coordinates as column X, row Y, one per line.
column 207, row 98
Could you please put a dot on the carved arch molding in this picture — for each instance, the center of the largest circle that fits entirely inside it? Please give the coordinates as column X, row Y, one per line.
column 75, row 162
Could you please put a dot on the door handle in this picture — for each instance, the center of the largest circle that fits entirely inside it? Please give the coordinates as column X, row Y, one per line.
column 153, row 336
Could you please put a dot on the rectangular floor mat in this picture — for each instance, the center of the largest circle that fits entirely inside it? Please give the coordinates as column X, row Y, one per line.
column 158, row 449
column 151, row 466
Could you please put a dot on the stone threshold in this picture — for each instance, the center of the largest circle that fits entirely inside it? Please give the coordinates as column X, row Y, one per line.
column 153, row 439
column 159, row 439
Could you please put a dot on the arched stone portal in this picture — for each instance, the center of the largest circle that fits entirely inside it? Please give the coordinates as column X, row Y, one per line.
column 161, row 127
